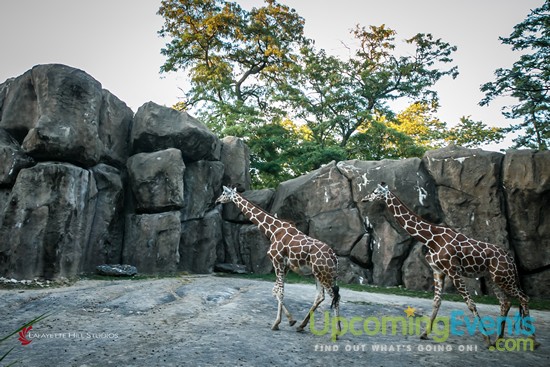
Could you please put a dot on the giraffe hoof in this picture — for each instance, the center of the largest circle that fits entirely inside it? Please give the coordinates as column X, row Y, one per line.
column 292, row 322
column 300, row 328
column 424, row 337
column 275, row 327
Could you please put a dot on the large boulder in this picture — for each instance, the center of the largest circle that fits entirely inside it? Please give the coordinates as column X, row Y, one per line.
column 69, row 101
column 263, row 198
column 319, row 191
column 47, row 219
column 106, row 234
column 157, row 128
column 151, row 242
column 526, row 182
column 253, row 249
column 115, row 122
column 468, row 189
column 199, row 242
column 156, row 180
column 19, row 106
column 201, row 182
column 244, row 243
column 390, row 245
column 340, row 229
column 12, row 157
column 61, row 113
column 235, row 156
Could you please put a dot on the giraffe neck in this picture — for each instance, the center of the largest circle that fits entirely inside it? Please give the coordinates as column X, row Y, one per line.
column 267, row 223
column 417, row 227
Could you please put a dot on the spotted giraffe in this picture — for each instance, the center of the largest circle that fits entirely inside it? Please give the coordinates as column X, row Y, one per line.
column 454, row 255
column 292, row 250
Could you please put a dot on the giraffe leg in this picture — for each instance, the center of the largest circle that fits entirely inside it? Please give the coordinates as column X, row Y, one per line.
column 278, row 292
column 439, row 278
column 505, row 305
column 524, row 312
column 523, row 309
column 320, row 297
column 461, row 288
column 288, row 315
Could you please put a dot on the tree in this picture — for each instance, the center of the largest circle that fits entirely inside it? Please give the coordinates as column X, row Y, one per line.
column 471, row 134
column 255, row 75
column 233, row 57
column 528, row 80
column 418, row 122
column 337, row 97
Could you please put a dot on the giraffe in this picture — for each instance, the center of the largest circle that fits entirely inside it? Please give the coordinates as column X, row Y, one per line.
column 291, row 249
column 454, row 255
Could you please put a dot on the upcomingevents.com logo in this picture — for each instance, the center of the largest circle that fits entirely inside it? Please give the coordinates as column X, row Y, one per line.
column 457, row 324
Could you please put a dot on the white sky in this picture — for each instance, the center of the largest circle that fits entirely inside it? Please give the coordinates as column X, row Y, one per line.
column 116, row 42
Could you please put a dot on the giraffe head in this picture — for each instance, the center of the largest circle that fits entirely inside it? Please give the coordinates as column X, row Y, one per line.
column 380, row 193
column 227, row 195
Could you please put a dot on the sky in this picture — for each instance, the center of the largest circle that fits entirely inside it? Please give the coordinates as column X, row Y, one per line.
column 117, row 43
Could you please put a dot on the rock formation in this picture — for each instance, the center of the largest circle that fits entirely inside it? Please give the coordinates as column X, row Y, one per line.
column 85, row 182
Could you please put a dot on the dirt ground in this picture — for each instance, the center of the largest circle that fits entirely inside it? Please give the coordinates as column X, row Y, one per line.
column 220, row 321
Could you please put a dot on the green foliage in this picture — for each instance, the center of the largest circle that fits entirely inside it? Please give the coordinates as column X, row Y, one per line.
column 233, row 56
column 528, row 80
column 471, row 134
column 253, row 74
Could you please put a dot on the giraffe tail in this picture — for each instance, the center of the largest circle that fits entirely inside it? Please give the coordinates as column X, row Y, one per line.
column 336, row 297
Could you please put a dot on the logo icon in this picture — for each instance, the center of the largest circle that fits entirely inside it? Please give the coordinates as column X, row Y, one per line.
column 23, row 335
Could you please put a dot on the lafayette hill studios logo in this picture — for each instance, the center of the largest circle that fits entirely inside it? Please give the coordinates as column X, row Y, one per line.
column 23, row 335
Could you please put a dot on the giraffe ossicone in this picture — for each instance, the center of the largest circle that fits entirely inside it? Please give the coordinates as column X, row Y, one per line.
column 291, row 249
column 453, row 254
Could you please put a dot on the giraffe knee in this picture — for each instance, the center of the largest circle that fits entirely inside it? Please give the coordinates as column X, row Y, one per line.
column 278, row 293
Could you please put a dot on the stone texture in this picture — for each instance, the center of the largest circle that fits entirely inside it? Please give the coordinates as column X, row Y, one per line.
column 69, row 101
column 361, row 253
column 340, row 229
column 106, row 233
column 302, row 198
column 47, row 220
column 235, row 156
column 253, row 249
column 349, row 273
column 390, row 244
column 468, row 189
column 417, row 274
column 156, row 180
column 115, row 122
column 526, row 178
column 12, row 157
column 198, row 243
column 116, row 270
column 61, row 113
column 151, row 242
column 263, row 198
column 158, row 128
column 202, row 183
column 20, row 106
column 526, row 181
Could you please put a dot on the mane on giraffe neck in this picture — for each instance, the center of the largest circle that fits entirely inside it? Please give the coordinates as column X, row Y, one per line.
column 411, row 221
column 274, row 221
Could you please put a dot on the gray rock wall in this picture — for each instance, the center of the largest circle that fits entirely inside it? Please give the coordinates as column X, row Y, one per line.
column 84, row 182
